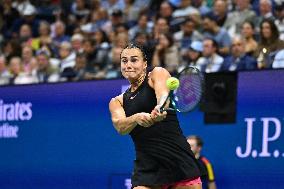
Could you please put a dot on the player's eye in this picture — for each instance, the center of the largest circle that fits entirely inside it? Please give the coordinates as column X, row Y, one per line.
column 124, row 61
column 133, row 60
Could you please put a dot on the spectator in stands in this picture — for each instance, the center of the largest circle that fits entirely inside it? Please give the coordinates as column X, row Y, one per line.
column 279, row 21
column 116, row 19
column 98, row 20
column 21, row 5
column 95, row 5
column 130, row 12
column 187, row 34
column 89, row 47
column 269, row 43
column 29, row 63
column 166, row 54
column 112, row 5
column 46, row 72
column 238, row 60
column 44, row 38
column 46, row 9
column 191, row 55
column 80, row 67
column 185, row 9
column 210, row 61
column 80, row 11
column 142, row 26
column 1, row 25
column 220, row 10
column 121, row 28
column 208, row 178
column 278, row 61
column 101, row 50
column 142, row 4
column 4, row 73
column 238, row 17
column 161, row 26
column 113, row 70
column 120, row 40
column 220, row 35
column 166, row 11
column 67, row 56
column 265, row 10
column 15, row 68
column 22, row 19
column 77, row 41
column 18, row 76
column 11, row 48
column 28, row 17
column 25, row 35
column 248, row 35
column 9, row 15
column 59, row 34
column 202, row 7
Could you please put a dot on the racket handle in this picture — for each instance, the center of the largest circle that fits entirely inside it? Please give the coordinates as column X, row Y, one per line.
column 162, row 108
column 167, row 109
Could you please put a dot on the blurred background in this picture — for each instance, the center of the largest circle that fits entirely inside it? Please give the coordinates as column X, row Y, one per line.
column 60, row 66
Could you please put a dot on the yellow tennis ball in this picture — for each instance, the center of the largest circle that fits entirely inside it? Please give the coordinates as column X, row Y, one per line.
column 172, row 83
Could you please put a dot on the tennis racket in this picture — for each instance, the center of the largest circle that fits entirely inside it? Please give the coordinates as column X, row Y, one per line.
column 189, row 93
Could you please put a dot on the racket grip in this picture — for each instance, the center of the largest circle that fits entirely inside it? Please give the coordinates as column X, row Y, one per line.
column 167, row 109
column 162, row 108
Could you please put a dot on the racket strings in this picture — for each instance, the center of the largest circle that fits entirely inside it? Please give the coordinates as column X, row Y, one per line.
column 188, row 95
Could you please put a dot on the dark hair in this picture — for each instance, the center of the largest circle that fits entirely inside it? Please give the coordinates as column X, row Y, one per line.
column 131, row 2
column 274, row 32
column 141, row 14
column 214, row 42
column 188, row 20
column 199, row 141
column 162, row 18
column 104, row 35
column 211, row 16
column 81, row 54
column 169, row 38
column 249, row 23
column 135, row 46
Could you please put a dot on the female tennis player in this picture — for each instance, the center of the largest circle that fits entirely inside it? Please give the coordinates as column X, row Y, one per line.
column 163, row 157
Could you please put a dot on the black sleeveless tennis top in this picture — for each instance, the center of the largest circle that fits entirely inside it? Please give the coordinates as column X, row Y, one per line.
column 163, row 155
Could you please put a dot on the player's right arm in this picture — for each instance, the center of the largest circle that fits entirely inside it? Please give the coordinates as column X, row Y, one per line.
column 123, row 124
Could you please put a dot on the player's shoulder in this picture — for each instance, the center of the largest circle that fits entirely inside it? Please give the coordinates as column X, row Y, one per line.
column 117, row 99
column 157, row 72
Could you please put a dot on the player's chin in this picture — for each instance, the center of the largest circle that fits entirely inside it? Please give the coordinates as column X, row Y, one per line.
column 130, row 75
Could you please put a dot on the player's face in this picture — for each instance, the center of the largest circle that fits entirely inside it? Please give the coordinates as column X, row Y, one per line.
column 133, row 65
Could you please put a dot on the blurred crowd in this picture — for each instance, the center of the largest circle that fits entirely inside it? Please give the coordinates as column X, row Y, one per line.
column 70, row 40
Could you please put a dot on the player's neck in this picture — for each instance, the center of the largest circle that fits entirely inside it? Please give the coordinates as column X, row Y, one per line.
column 135, row 84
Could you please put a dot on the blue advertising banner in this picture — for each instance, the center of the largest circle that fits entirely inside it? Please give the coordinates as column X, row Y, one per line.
column 61, row 136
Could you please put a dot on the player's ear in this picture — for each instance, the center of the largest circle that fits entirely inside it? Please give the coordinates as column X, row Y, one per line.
column 145, row 66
